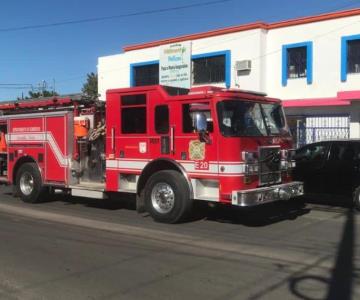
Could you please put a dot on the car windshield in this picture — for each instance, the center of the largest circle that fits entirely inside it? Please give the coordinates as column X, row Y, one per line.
column 245, row 118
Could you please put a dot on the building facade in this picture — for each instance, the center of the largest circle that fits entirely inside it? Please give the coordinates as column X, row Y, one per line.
column 312, row 64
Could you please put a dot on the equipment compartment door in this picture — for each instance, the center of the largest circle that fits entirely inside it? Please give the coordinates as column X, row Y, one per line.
column 3, row 151
column 57, row 135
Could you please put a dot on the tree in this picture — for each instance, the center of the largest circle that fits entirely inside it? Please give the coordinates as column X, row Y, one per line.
column 41, row 94
column 90, row 87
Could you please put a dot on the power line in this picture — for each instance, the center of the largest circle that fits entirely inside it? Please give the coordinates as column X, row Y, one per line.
column 343, row 6
column 14, row 88
column 269, row 53
column 162, row 10
column 14, row 84
column 91, row 20
column 334, row 8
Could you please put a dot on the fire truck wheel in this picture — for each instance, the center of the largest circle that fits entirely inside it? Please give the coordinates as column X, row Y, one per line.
column 167, row 197
column 29, row 183
column 356, row 199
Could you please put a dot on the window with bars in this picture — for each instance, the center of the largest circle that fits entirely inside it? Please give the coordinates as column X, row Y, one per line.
column 209, row 69
column 353, row 56
column 146, row 75
column 297, row 62
column 206, row 69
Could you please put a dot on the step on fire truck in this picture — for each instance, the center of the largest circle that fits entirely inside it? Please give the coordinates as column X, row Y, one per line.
column 168, row 146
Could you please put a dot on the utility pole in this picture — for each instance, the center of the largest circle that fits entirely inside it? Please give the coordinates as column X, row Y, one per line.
column 54, row 89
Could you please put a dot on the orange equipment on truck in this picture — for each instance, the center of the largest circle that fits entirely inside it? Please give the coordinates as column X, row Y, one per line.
column 3, row 145
column 81, row 127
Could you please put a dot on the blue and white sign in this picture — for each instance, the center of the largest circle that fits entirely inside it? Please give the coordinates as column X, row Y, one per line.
column 175, row 65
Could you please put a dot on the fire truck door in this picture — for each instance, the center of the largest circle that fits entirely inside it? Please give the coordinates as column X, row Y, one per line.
column 196, row 151
column 161, row 143
column 132, row 143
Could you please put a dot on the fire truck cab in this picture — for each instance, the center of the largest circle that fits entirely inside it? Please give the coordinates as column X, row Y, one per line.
column 168, row 146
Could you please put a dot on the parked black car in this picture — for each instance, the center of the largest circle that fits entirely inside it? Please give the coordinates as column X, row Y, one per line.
column 330, row 167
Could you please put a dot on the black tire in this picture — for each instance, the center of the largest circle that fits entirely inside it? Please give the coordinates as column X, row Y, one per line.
column 356, row 199
column 167, row 197
column 29, row 185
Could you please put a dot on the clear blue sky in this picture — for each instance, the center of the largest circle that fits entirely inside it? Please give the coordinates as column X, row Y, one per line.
column 67, row 53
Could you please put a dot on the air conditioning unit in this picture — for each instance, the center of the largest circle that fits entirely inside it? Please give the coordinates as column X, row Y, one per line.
column 243, row 65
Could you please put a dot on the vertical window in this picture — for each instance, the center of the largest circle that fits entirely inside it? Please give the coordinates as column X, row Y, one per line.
column 350, row 56
column 133, row 114
column 162, row 119
column 209, row 69
column 145, row 74
column 345, row 152
column 353, row 56
column 315, row 152
column 188, row 125
column 297, row 62
column 189, row 112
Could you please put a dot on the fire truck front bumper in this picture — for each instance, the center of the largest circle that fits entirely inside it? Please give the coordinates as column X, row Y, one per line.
column 253, row 197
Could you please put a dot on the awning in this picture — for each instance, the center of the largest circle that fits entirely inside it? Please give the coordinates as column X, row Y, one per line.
column 343, row 98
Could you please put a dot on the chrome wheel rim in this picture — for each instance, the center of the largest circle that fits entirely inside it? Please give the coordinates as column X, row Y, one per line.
column 162, row 198
column 26, row 183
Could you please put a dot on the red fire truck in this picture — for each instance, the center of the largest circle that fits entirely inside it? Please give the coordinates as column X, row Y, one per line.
column 168, row 146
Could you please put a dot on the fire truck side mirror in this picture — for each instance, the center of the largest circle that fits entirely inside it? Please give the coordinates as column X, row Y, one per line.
column 200, row 123
column 201, row 127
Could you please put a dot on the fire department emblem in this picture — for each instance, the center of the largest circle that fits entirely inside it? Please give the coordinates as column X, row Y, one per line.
column 196, row 150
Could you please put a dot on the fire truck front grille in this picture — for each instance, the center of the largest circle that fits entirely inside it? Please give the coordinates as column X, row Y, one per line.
column 269, row 165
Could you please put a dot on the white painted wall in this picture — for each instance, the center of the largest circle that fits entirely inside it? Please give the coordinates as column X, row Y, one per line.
column 326, row 38
column 114, row 71
column 264, row 49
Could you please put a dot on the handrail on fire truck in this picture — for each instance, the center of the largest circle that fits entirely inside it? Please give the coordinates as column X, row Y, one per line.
column 48, row 103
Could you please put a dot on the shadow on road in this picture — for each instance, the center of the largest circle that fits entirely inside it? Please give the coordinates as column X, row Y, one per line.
column 255, row 217
column 339, row 284
column 328, row 202
column 125, row 201
column 260, row 216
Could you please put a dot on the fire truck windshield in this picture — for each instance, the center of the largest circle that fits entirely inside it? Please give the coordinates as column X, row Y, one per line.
column 244, row 118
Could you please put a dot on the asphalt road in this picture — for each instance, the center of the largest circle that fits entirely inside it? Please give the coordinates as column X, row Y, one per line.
column 86, row 249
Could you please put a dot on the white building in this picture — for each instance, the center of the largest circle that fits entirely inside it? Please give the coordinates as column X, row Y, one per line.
column 312, row 64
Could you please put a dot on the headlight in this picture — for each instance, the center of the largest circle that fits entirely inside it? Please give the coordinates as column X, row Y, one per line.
column 284, row 165
column 252, row 169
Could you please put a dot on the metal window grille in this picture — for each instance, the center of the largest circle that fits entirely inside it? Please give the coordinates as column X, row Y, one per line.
column 326, row 128
column 209, row 70
column 146, row 75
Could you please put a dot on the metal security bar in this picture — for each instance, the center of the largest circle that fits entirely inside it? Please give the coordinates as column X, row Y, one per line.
column 320, row 128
